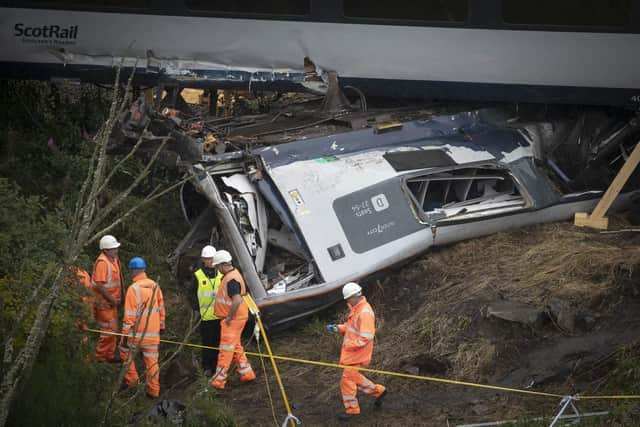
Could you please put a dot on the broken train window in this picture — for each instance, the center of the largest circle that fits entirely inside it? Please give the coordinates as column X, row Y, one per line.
column 455, row 192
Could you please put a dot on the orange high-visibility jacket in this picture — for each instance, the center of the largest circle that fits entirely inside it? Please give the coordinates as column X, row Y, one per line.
column 108, row 271
column 358, row 331
column 138, row 304
column 83, row 279
column 86, row 295
column 223, row 300
column 89, row 298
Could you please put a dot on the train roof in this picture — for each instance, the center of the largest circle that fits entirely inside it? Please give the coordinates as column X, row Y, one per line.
column 456, row 135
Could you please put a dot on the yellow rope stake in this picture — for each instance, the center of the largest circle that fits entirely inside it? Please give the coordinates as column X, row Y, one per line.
column 394, row 374
column 253, row 308
column 266, row 380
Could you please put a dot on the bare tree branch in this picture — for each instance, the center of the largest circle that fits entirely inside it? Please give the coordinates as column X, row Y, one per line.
column 104, row 212
column 22, row 314
column 117, row 167
column 103, row 139
column 79, row 210
column 21, row 367
column 136, row 207
column 84, row 222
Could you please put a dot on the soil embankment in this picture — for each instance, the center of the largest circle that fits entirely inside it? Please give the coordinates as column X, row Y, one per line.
column 542, row 308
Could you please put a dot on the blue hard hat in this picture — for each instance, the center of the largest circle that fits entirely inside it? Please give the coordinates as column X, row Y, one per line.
column 137, row 263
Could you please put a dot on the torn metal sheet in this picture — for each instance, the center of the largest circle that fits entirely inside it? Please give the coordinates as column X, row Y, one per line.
column 256, row 214
column 188, row 71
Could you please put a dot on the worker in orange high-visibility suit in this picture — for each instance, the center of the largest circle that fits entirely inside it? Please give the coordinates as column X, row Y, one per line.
column 80, row 276
column 234, row 313
column 141, row 326
column 357, row 348
column 107, row 286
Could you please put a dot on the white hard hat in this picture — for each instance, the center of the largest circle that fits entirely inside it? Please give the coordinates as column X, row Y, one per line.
column 351, row 289
column 208, row 251
column 108, row 242
column 220, row 257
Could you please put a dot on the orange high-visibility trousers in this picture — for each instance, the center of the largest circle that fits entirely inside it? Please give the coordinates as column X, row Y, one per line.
column 352, row 381
column 231, row 351
column 152, row 373
column 107, row 319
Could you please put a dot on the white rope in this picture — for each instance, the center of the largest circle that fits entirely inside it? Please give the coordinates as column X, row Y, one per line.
column 564, row 403
column 289, row 418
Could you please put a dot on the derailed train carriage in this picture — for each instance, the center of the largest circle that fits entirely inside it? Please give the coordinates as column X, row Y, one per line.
column 305, row 217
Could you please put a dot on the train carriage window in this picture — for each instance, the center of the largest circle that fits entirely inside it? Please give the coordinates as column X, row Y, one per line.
column 425, row 10
column 124, row 4
column 269, row 7
column 464, row 191
column 597, row 13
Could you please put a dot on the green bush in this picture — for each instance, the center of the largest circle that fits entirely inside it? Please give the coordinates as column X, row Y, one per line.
column 39, row 183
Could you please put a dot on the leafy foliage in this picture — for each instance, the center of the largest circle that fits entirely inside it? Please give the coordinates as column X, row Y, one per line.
column 46, row 150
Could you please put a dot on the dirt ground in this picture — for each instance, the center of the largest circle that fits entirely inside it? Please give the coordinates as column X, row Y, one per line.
column 432, row 319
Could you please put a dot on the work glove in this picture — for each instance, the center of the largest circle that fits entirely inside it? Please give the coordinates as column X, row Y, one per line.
column 332, row 327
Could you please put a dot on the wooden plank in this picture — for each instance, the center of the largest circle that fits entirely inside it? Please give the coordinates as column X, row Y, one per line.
column 192, row 96
column 148, row 96
column 597, row 218
column 583, row 219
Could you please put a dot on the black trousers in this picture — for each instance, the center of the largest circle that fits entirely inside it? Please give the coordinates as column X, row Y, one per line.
column 210, row 333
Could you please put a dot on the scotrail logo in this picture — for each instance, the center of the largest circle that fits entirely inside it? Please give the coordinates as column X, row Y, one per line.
column 46, row 34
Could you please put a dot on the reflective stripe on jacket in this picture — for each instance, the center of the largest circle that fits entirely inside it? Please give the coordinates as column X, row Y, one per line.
column 223, row 300
column 112, row 283
column 359, row 331
column 138, row 305
column 207, row 289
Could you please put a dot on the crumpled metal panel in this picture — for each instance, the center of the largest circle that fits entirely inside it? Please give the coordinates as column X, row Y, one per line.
column 184, row 70
column 461, row 132
column 540, row 191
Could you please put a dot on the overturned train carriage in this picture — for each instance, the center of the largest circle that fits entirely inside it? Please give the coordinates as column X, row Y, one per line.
column 303, row 218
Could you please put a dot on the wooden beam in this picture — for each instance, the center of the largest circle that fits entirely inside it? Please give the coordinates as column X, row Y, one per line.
column 148, row 96
column 597, row 219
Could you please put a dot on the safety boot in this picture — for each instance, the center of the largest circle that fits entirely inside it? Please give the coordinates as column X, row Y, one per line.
column 247, row 378
column 217, row 384
column 346, row 417
column 378, row 402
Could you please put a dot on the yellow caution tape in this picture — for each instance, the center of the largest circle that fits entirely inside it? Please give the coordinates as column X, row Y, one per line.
column 390, row 373
column 256, row 313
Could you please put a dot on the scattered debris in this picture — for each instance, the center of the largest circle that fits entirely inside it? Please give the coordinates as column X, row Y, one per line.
column 562, row 314
column 172, row 410
column 513, row 312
